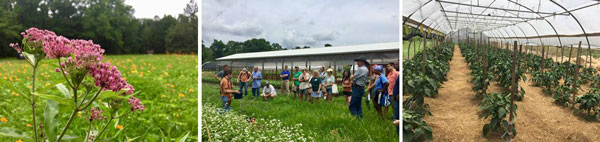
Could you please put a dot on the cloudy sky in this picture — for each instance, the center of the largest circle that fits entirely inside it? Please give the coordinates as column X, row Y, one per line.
column 301, row 22
column 150, row 8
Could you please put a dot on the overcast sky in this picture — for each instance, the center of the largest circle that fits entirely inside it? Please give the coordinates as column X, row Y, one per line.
column 150, row 8
column 301, row 22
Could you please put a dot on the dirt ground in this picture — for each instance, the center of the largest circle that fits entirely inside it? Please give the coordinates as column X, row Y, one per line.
column 538, row 118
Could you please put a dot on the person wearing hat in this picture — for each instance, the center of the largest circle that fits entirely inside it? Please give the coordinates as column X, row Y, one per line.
column 304, row 84
column 243, row 79
column 329, row 81
column 285, row 80
column 316, row 85
column 381, row 97
column 268, row 91
column 359, row 79
column 256, row 78
column 296, row 85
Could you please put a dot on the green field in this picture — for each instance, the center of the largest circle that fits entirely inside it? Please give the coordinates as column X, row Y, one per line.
column 322, row 121
column 167, row 86
column 419, row 46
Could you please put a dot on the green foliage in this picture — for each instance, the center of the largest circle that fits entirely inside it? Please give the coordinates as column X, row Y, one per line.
column 161, row 79
column 220, row 49
column 497, row 108
column 563, row 92
column 414, row 127
column 109, row 23
column 590, row 103
column 323, row 121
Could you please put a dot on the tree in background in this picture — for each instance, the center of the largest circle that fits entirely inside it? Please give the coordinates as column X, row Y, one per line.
column 109, row 23
column 327, row 45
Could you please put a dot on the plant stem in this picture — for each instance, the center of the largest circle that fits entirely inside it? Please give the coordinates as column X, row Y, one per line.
column 33, row 103
column 77, row 109
column 67, row 125
column 104, row 128
column 91, row 100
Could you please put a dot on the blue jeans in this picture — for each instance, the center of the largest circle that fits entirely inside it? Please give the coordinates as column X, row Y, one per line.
column 356, row 100
column 396, row 105
column 244, row 87
column 225, row 99
column 256, row 92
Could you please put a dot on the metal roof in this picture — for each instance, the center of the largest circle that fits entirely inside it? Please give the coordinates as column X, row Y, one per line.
column 364, row 48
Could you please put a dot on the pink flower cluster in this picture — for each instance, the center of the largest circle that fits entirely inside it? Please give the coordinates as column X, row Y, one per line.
column 57, row 46
column 136, row 104
column 35, row 34
column 109, row 78
column 96, row 114
column 16, row 46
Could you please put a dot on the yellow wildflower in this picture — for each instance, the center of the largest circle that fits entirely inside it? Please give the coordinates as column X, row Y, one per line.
column 181, row 95
column 191, row 90
column 47, row 84
column 19, row 140
column 29, row 125
column 119, row 127
column 3, row 120
column 163, row 96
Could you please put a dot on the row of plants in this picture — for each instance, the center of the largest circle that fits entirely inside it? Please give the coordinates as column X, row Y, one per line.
column 499, row 68
column 498, row 64
column 550, row 78
column 420, row 84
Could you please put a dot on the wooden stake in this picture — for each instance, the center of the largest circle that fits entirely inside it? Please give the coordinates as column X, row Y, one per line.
column 574, row 88
column 484, row 68
column 514, row 90
column 543, row 58
column 424, row 53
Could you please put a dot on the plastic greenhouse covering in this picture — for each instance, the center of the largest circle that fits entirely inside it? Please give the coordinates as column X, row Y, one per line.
column 315, row 58
column 531, row 22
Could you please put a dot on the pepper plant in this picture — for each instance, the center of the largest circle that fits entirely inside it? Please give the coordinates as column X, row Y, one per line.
column 497, row 108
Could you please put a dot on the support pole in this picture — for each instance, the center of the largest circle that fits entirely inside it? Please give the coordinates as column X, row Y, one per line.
column 424, row 54
column 574, row 86
column 543, row 58
column 514, row 90
column 484, row 69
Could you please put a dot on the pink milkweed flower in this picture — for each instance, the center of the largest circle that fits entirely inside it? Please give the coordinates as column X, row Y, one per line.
column 16, row 46
column 35, row 34
column 96, row 114
column 57, row 46
column 87, row 54
column 109, row 78
column 136, row 104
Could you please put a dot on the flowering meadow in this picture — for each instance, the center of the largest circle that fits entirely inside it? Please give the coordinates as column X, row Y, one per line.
column 156, row 94
column 236, row 127
column 299, row 120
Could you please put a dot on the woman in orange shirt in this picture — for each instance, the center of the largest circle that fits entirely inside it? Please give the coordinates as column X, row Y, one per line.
column 347, row 84
column 243, row 78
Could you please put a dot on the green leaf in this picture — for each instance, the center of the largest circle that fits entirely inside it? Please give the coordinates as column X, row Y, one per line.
column 183, row 137
column 486, row 129
column 501, row 113
column 63, row 89
column 9, row 132
column 29, row 57
column 49, row 121
column 58, row 99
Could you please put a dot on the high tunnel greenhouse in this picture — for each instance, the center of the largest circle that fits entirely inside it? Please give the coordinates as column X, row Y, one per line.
column 501, row 70
column 557, row 23
column 335, row 57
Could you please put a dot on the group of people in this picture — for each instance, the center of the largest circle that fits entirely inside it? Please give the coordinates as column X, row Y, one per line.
column 381, row 82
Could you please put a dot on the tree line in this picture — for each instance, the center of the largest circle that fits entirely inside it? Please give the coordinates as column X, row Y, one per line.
column 220, row 49
column 109, row 23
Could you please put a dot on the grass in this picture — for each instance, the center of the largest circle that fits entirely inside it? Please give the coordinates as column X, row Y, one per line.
column 167, row 85
column 323, row 121
column 419, row 46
